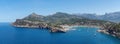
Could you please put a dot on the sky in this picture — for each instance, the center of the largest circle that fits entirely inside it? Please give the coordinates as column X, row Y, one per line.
column 10, row 10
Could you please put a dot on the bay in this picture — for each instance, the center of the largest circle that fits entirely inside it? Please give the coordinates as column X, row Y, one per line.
column 76, row 35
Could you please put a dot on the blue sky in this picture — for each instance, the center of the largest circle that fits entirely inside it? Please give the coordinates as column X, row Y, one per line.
column 14, row 9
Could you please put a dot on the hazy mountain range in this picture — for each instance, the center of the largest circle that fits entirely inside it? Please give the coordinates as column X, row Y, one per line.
column 113, row 17
column 57, row 17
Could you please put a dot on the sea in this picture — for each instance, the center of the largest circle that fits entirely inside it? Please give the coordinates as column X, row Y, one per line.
column 76, row 35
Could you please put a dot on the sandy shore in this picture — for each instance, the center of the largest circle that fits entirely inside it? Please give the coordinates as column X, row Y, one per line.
column 67, row 27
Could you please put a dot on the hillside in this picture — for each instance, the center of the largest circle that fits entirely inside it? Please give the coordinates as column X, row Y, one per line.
column 54, row 22
column 112, row 29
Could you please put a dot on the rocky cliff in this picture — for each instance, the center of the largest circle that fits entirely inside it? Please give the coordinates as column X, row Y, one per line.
column 54, row 22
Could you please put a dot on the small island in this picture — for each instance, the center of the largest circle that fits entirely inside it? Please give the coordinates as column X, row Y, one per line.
column 58, row 22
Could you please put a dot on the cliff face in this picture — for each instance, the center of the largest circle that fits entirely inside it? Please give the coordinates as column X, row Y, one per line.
column 54, row 21
column 29, row 24
column 35, row 24
column 112, row 29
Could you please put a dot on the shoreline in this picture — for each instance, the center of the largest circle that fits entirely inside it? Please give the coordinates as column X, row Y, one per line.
column 105, row 32
column 67, row 28
column 64, row 28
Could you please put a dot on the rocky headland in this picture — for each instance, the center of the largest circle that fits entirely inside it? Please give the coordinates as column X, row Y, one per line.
column 111, row 29
column 58, row 22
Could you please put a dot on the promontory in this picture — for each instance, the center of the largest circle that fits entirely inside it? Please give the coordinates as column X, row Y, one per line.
column 56, row 22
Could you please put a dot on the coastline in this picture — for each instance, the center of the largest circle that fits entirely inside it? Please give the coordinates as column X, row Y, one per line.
column 67, row 27
column 105, row 32
column 86, row 26
column 64, row 28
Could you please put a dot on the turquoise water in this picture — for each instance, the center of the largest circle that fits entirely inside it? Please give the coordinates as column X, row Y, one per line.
column 77, row 35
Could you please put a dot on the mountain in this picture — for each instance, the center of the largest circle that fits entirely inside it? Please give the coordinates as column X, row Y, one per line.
column 34, row 17
column 61, row 17
column 113, row 17
column 89, row 16
column 54, row 21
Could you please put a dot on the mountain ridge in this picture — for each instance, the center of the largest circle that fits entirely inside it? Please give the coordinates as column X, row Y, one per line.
column 113, row 17
column 54, row 22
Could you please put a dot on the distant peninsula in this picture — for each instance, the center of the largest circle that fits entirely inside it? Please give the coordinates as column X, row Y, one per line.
column 58, row 22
